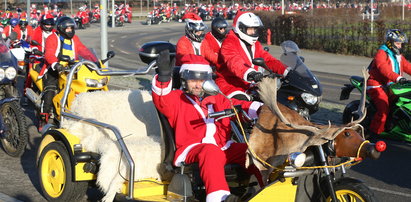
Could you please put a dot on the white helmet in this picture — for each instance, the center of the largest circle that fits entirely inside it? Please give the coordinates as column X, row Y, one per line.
column 244, row 21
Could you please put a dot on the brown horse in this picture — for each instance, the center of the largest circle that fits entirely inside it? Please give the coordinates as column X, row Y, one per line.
column 281, row 131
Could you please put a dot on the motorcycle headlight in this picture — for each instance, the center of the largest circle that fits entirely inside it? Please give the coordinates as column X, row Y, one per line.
column 309, row 98
column 10, row 73
column 96, row 83
column 2, row 74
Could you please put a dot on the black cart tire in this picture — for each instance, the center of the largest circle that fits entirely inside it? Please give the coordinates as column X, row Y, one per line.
column 15, row 136
column 55, row 174
column 353, row 191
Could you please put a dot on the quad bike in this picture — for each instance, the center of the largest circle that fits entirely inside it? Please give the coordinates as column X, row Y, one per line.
column 398, row 122
column 13, row 126
column 66, row 169
column 87, row 80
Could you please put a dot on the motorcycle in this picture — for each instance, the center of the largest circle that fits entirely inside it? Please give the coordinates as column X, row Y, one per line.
column 398, row 122
column 117, row 20
column 13, row 126
column 63, row 151
column 21, row 51
column 87, row 80
column 153, row 19
column 300, row 90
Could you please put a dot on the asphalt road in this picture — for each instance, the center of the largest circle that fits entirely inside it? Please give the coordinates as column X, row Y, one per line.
column 388, row 177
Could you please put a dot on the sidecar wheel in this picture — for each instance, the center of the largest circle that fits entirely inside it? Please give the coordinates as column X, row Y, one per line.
column 55, row 173
column 14, row 137
column 353, row 191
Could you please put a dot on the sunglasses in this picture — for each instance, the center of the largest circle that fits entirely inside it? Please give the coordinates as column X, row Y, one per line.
column 221, row 28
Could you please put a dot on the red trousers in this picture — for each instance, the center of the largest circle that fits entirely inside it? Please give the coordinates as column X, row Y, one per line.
column 211, row 160
column 381, row 102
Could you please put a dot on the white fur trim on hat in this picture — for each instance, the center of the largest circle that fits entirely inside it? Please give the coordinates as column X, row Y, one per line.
column 196, row 67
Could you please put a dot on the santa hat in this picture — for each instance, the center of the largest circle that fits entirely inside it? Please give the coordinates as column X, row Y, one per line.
column 192, row 17
column 193, row 62
column 239, row 13
column 48, row 16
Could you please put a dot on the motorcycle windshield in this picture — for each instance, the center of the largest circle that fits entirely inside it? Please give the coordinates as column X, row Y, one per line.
column 299, row 75
column 5, row 54
column 88, row 54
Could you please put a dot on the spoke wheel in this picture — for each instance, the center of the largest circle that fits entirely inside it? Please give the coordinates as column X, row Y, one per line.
column 14, row 137
column 353, row 192
column 55, row 173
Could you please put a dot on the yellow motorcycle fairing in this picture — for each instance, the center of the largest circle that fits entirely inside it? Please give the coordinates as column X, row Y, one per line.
column 35, row 78
column 84, row 80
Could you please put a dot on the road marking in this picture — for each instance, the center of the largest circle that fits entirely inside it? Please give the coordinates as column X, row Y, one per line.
column 390, row 192
column 112, row 41
column 111, row 45
column 123, row 36
column 125, row 52
column 6, row 198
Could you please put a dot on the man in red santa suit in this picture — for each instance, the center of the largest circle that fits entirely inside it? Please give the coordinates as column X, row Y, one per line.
column 387, row 68
column 219, row 30
column 38, row 41
column 236, row 73
column 197, row 137
column 62, row 42
column 24, row 30
column 192, row 42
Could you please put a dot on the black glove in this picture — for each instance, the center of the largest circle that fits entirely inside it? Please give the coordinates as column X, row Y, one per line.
column 403, row 81
column 164, row 66
column 59, row 68
column 255, row 76
column 37, row 52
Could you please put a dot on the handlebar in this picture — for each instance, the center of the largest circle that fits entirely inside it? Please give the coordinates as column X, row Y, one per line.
column 228, row 113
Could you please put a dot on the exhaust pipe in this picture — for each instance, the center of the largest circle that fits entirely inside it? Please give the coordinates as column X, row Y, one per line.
column 33, row 97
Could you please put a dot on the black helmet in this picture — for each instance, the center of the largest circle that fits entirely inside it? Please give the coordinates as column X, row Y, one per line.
column 62, row 25
column 47, row 19
column 219, row 28
column 23, row 23
column 395, row 35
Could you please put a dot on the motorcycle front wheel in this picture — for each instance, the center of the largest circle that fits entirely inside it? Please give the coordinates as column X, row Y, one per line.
column 353, row 191
column 14, row 136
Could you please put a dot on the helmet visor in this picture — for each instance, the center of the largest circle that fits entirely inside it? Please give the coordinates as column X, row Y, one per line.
column 195, row 75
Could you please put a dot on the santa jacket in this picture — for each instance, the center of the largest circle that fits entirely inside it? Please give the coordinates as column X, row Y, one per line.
column 40, row 37
column 382, row 69
column 188, row 117
column 29, row 32
column 235, row 62
column 53, row 46
column 185, row 46
column 213, row 43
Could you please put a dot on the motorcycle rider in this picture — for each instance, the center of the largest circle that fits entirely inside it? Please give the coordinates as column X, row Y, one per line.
column 62, row 42
column 192, row 42
column 10, row 28
column 387, row 67
column 236, row 73
column 219, row 30
column 24, row 30
column 38, row 41
column 197, row 137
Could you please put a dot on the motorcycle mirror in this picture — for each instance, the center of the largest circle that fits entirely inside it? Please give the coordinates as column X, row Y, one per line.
column 211, row 88
column 64, row 58
column 259, row 62
column 266, row 48
column 110, row 54
column 302, row 58
column 13, row 36
column 35, row 43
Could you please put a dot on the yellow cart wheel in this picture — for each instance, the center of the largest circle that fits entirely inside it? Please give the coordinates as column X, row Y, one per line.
column 349, row 191
column 55, row 173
